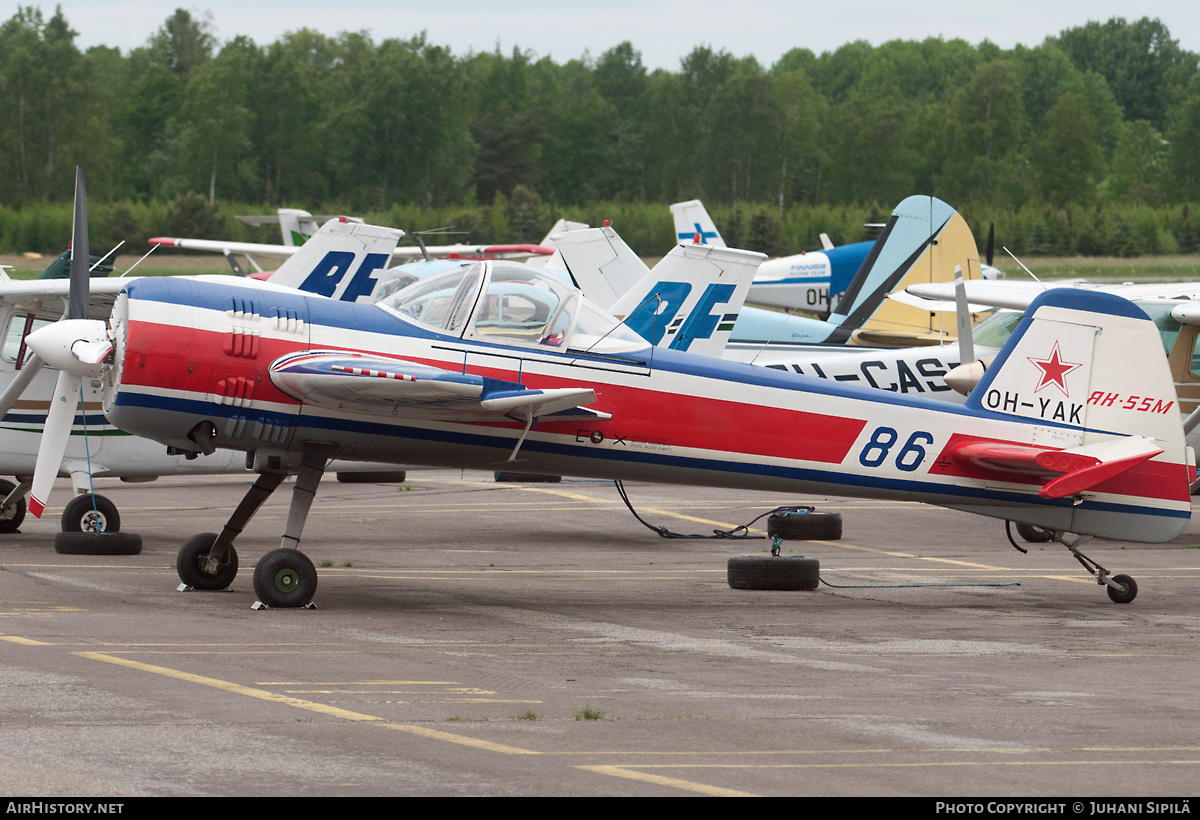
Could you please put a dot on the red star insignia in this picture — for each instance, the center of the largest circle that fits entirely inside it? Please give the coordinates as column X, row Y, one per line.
column 1054, row 370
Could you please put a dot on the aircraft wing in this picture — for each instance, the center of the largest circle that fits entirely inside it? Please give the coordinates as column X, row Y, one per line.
column 375, row 385
column 1019, row 295
column 407, row 253
column 44, row 295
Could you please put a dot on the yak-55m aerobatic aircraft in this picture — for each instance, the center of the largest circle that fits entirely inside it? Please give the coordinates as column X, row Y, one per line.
column 500, row 363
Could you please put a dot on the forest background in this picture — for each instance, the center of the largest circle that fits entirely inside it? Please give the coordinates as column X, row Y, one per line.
column 1087, row 144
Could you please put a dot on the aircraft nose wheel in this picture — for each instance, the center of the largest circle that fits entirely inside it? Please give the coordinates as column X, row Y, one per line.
column 285, row 578
column 90, row 513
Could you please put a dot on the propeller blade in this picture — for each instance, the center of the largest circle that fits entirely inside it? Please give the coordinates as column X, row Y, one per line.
column 966, row 341
column 80, row 295
column 67, row 393
column 991, row 243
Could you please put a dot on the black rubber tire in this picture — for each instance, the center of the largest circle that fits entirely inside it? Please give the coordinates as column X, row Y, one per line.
column 770, row 572
column 1033, row 535
column 393, row 477
column 527, row 478
column 11, row 519
column 97, row 543
column 285, row 578
column 1126, row 596
column 813, row 526
column 81, row 515
column 190, row 559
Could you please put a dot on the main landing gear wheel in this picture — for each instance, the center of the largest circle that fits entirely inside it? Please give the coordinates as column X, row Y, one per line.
column 90, row 513
column 192, row 564
column 770, row 572
column 1032, row 534
column 803, row 524
column 97, row 543
column 1127, row 592
column 285, row 578
column 12, row 517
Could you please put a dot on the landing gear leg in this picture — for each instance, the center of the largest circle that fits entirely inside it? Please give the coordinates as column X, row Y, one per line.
column 286, row 577
column 1122, row 589
column 213, row 567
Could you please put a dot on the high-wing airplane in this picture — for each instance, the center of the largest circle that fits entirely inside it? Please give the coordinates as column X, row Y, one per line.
column 303, row 219
column 344, row 260
column 500, row 363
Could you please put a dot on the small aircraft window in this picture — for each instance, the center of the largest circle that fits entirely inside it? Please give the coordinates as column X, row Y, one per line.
column 995, row 329
column 1160, row 314
column 391, row 281
column 12, row 337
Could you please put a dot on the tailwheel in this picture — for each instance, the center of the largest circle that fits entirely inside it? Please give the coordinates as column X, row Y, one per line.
column 199, row 570
column 1124, row 592
column 1122, row 589
column 285, row 578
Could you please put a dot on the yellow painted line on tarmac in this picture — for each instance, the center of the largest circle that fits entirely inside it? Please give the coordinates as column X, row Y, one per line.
column 657, row 779
column 917, row 765
column 462, row 740
column 307, row 705
column 23, row 641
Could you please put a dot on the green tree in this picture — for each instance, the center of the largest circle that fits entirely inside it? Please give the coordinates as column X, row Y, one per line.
column 1065, row 157
column 1138, row 164
column 983, row 128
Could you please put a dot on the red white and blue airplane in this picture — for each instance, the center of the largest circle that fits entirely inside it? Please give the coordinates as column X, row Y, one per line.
column 1074, row 428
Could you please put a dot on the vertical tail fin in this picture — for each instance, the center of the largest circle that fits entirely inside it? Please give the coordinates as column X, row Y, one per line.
column 342, row 260
column 691, row 299
column 691, row 219
column 922, row 242
column 600, row 263
column 1088, row 371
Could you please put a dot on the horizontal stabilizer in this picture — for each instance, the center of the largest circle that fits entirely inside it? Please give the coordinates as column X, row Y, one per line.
column 1075, row 470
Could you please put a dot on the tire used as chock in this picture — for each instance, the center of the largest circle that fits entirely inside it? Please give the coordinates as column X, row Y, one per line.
column 526, row 478
column 97, row 543
column 11, row 518
column 382, row 477
column 285, row 578
column 804, row 524
column 191, row 562
column 90, row 513
column 773, row 572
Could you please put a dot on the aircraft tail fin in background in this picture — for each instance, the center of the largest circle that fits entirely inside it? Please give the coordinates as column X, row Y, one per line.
column 691, row 218
column 1088, row 370
column 295, row 225
column 342, row 260
column 555, row 260
column 691, row 299
column 600, row 263
column 922, row 242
